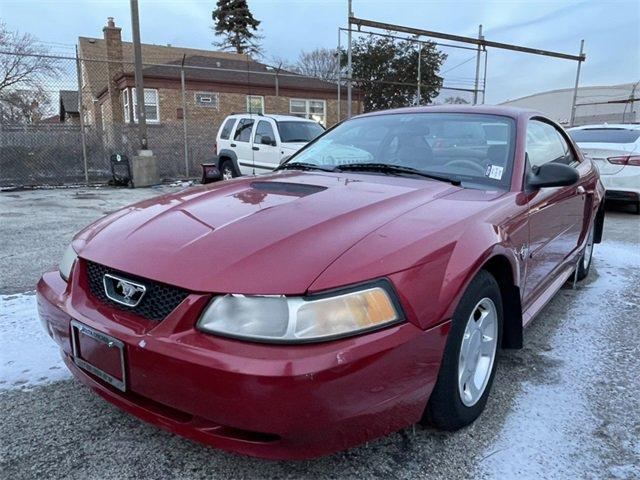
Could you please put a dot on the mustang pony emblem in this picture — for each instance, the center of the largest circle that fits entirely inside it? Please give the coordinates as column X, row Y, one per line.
column 122, row 291
column 128, row 289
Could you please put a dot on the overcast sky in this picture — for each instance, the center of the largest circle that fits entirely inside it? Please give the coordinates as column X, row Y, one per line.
column 611, row 29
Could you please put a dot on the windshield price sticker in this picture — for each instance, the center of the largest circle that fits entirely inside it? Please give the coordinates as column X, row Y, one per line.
column 494, row 171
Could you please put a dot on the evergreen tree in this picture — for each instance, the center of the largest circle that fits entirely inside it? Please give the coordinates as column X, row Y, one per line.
column 386, row 71
column 237, row 27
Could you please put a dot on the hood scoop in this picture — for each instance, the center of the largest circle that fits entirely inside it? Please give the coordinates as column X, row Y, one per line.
column 286, row 188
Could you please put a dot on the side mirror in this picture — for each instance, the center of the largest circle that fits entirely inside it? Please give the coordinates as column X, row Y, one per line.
column 552, row 175
column 267, row 140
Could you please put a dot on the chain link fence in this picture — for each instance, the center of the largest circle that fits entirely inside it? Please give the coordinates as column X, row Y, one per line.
column 63, row 128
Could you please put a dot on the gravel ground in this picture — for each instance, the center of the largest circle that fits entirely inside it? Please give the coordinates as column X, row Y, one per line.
column 565, row 406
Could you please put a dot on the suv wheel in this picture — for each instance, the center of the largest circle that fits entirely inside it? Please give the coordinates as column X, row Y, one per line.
column 227, row 171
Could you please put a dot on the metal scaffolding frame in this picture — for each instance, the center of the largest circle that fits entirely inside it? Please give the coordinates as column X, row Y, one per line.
column 481, row 45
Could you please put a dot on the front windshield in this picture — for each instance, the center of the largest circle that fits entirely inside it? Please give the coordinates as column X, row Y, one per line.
column 474, row 149
column 293, row 131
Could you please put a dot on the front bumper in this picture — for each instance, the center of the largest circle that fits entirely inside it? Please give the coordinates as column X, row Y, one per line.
column 272, row 401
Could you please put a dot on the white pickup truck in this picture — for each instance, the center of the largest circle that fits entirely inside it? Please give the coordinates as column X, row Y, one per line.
column 249, row 144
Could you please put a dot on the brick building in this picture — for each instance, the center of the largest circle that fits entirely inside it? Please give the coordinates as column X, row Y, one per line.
column 216, row 84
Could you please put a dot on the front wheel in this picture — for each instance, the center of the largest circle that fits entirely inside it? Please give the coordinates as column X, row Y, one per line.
column 585, row 261
column 468, row 365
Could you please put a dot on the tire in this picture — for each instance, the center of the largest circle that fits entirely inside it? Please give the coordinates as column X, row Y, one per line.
column 227, row 170
column 587, row 256
column 451, row 406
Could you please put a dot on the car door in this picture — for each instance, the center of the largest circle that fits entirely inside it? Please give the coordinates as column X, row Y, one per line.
column 241, row 145
column 265, row 147
column 556, row 214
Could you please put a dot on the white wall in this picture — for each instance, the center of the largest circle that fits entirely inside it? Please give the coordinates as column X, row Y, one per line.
column 557, row 104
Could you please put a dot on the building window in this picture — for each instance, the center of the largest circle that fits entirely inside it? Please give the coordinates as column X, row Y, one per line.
column 206, row 99
column 311, row 109
column 255, row 104
column 125, row 105
column 151, row 105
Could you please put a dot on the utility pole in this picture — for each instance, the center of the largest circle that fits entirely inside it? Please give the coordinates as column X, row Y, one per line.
column 339, row 57
column 419, row 93
column 137, row 59
column 144, row 168
column 575, row 88
column 349, row 64
column 82, row 126
column 184, row 116
column 475, row 88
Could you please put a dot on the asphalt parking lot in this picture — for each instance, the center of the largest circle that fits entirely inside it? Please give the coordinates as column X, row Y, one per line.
column 565, row 406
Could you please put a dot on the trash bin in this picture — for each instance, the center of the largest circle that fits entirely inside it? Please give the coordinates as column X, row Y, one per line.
column 210, row 173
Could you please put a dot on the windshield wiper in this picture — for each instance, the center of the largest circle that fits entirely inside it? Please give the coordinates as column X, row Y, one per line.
column 305, row 166
column 398, row 169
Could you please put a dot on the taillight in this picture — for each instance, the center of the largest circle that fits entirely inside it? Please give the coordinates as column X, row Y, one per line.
column 625, row 160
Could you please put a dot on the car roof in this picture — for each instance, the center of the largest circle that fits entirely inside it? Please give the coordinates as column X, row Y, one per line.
column 513, row 112
column 277, row 118
column 615, row 126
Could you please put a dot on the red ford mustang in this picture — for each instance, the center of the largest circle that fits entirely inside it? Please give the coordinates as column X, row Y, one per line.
column 363, row 286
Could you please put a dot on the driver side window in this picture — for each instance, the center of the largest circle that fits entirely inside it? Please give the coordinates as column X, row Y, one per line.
column 545, row 145
column 264, row 130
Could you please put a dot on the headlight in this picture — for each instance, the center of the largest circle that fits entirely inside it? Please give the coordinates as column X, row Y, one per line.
column 66, row 264
column 300, row 319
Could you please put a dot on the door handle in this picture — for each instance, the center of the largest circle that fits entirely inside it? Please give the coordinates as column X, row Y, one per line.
column 580, row 190
column 256, row 148
column 233, row 144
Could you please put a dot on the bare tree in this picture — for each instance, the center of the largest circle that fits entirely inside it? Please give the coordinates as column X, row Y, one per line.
column 457, row 100
column 281, row 63
column 24, row 106
column 24, row 67
column 321, row 63
column 23, row 63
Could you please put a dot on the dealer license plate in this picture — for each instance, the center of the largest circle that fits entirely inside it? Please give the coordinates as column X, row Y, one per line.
column 99, row 354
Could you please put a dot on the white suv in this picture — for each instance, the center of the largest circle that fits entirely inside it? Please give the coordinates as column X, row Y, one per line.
column 615, row 149
column 249, row 144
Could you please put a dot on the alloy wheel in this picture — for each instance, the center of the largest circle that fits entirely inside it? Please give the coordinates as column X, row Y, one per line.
column 227, row 173
column 477, row 352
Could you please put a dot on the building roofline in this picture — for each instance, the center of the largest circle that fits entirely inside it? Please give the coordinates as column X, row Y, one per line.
column 558, row 90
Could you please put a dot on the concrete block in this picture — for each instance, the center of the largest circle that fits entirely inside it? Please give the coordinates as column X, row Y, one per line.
column 144, row 169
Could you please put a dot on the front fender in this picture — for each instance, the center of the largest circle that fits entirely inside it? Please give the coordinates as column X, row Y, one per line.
column 431, row 292
column 432, row 252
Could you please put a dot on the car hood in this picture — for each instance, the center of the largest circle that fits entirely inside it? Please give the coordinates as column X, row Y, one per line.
column 272, row 234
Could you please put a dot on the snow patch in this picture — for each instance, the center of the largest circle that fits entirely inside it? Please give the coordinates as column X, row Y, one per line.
column 28, row 356
column 539, row 435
